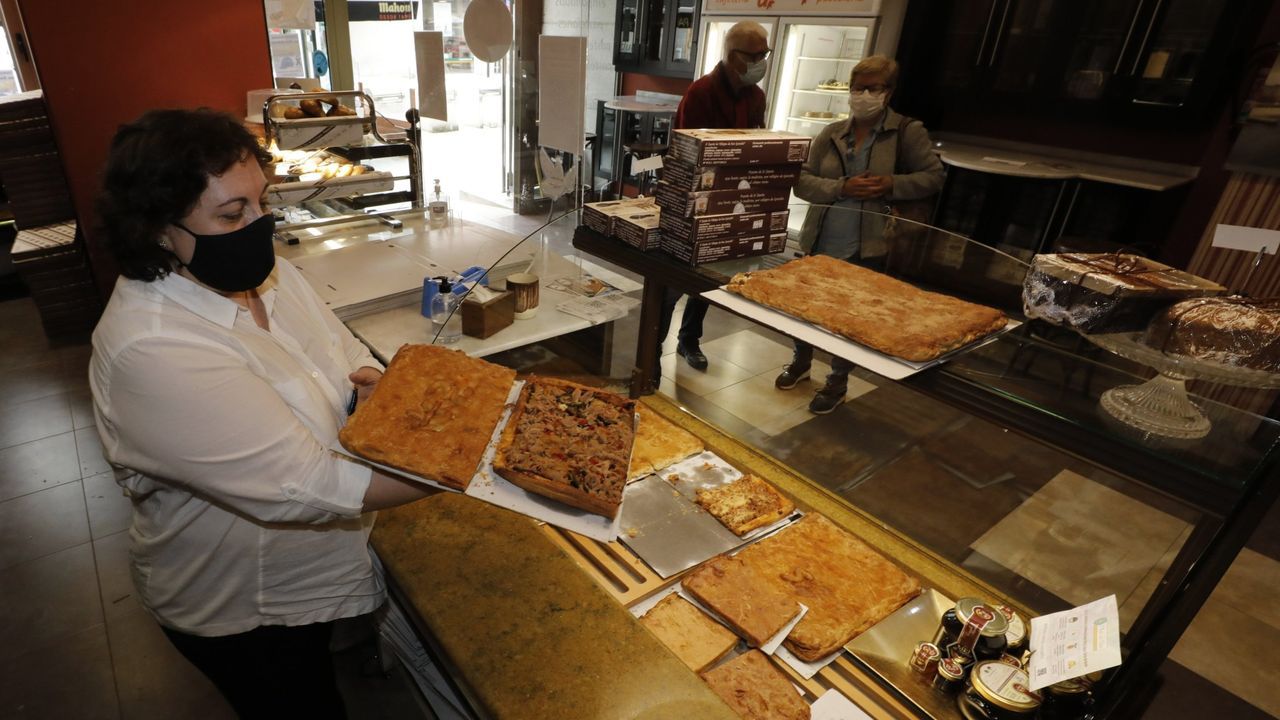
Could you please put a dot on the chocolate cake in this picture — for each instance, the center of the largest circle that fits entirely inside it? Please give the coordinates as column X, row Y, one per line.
column 1106, row 292
column 1233, row 331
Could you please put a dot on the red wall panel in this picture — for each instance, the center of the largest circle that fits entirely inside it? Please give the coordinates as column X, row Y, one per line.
column 105, row 63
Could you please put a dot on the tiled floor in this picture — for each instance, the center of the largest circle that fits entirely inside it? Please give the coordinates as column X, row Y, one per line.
column 74, row 641
column 1125, row 551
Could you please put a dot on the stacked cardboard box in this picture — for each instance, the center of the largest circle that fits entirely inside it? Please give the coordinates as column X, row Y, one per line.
column 724, row 193
column 51, row 262
column 30, row 168
column 600, row 216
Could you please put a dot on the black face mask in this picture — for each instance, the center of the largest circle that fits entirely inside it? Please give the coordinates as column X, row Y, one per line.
column 236, row 261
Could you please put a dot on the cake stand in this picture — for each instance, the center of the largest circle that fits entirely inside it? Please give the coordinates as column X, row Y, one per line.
column 1160, row 406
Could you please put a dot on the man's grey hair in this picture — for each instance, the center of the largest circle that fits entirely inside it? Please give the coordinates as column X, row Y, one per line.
column 737, row 35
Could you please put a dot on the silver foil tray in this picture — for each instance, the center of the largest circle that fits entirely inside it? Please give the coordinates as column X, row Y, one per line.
column 883, row 650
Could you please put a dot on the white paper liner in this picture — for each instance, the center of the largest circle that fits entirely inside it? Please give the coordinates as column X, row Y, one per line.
column 835, row 706
column 860, row 355
column 705, row 464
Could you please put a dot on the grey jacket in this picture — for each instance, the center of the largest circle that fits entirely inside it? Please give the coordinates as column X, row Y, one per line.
column 823, row 175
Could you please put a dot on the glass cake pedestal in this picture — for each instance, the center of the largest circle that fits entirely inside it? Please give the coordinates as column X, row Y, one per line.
column 1160, row 406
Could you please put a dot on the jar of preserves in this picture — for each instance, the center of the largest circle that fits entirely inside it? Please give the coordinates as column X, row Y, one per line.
column 972, row 629
column 950, row 676
column 996, row 691
column 1068, row 700
column 1016, row 636
column 924, row 660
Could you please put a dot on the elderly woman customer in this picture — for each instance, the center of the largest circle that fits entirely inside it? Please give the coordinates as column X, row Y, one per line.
column 857, row 169
column 219, row 382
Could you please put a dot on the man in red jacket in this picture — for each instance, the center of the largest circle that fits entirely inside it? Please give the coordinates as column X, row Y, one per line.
column 726, row 97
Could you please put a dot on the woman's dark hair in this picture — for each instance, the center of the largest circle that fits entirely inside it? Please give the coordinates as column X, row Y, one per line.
column 158, row 167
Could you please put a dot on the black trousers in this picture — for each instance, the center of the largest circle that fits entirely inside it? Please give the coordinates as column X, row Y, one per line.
column 840, row 367
column 690, row 332
column 269, row 672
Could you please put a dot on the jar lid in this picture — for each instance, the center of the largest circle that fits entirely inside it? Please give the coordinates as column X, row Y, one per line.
column 1017, row 631
column 1004, row 686
column 1075, row 686
column 996, row 625
column 950, row 669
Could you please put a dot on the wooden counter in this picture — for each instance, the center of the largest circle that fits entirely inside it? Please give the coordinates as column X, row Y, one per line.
column 526, row 632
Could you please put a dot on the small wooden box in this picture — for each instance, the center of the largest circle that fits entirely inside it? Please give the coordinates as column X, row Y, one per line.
column 480, row 320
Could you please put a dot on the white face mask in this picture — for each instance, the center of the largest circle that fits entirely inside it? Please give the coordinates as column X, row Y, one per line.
column 754, row 72
column 866, row 105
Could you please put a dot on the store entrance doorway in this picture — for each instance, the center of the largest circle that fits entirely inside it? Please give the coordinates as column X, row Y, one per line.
column 471, row 154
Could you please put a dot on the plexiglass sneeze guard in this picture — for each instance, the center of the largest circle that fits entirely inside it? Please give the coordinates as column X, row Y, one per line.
column 1002, row 460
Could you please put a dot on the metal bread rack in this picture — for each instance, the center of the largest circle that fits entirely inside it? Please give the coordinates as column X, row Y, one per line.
column 343, row 199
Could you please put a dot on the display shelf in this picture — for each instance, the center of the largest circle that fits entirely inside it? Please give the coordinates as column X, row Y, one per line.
column 345, row 137
column 828, row 59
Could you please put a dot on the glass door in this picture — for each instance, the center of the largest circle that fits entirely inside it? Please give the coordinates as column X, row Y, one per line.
column 628, row 31
column 655, row 25
column 1171, row 50
column 681, row 56
column 1097, row 50
column 1025, row 48
column 965, row 42
column 812, row 79
column 813, row 72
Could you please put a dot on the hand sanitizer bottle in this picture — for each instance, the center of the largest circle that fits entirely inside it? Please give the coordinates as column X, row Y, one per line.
column 446, row 318
column 438, row 209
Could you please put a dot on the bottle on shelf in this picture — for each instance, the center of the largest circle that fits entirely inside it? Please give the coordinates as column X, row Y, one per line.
column 438, row 208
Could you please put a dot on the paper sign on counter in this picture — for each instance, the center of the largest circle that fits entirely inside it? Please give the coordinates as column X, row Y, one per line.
column 1072, row 643
column 1235, row 237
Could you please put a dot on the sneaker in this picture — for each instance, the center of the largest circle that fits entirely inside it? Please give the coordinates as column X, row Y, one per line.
column 827, row 399
column 692, row 354
column 791, row 376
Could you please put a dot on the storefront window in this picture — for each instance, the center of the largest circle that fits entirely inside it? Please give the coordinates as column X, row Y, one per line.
column 8, row 72
column 467, row 151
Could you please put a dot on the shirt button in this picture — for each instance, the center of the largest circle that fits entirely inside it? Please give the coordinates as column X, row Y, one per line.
column 315, row 374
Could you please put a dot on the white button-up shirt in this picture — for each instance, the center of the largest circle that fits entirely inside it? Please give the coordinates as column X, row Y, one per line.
column 219, row 432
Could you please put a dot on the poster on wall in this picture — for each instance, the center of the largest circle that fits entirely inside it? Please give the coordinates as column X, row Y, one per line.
column 562, row 94
column 843, row 8
column 428, row 47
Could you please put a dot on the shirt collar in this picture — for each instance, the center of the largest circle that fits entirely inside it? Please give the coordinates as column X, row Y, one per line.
column 206, row 303
column 725, row 82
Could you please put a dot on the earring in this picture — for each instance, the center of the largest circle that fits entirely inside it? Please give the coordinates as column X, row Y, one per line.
column 164, row 245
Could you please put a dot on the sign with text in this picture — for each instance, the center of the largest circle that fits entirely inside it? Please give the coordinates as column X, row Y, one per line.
column 844, row 8
column 1236, row 237
column 562, row 92
column 1073, row 643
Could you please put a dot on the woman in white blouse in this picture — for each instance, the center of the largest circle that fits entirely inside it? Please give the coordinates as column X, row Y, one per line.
column 219, row 382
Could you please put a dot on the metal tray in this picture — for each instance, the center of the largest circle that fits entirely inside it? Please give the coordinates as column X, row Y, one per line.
column 883, row 650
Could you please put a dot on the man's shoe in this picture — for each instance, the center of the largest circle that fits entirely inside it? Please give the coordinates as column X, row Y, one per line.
column 692, row 355
column 827, row 399
column 791, row 376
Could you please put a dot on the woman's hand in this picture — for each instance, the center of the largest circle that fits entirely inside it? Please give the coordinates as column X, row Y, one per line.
column 365, row 379
column 866, row 186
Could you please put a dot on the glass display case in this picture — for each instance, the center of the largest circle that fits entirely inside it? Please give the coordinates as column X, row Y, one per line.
column 1000, row 465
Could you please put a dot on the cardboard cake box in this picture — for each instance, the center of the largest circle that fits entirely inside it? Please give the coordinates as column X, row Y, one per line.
column 640, row 229
column 700, row 252
column 720, row 202
column 718, row 227
column 687, row 178
column 599, row 216
column 738, row 147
